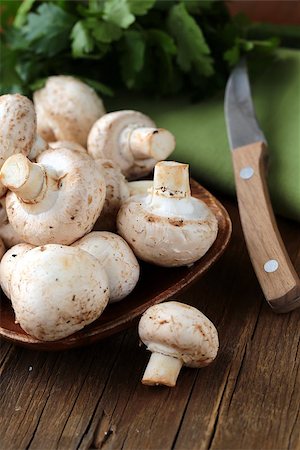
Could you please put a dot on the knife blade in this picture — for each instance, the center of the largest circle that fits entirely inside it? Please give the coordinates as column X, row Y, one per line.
column 278, row 279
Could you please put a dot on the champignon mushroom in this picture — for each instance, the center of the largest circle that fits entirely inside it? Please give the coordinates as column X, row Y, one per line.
column 117, row 191
column 139, row 187
column 8, row 235
column 132, row 140
column 57, row 290
column 117, row 259
column 66, row 109
column 8, row 265
column 67, row 144
column 57, row 199
column 177, row 335
column 168, row 226
column 18, row 129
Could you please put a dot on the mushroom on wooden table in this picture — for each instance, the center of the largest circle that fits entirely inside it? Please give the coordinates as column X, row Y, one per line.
column 117, row 259
column 168, row 226
column 57, row 199
column 66, row 109
column 56, row 290
column 8, row 265
column 177, row 335
column 131, row 139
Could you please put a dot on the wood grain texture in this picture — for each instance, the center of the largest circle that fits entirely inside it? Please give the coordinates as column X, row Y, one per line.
column 282, row 286
column 92, row 398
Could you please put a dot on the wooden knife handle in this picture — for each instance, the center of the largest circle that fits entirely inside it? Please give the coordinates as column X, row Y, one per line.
column 275, row 272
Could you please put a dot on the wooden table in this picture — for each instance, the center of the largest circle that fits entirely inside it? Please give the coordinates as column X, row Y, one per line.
column 93, row 398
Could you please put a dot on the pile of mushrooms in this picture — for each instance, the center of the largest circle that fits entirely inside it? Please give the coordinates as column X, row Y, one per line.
column 75, row 219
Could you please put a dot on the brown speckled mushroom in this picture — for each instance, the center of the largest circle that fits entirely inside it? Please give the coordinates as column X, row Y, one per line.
column 168, row 226
column 18, row 129
column 177, row 335
column 117, row 259
column 57, row 290
column 66, row 109
column 8, row 265
column 132, row 140
column 57, row 199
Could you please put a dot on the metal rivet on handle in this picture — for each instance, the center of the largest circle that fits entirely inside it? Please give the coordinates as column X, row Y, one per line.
column 271, row 265
column 246, row 173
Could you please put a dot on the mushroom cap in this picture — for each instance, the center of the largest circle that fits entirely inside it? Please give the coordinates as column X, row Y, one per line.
column 104, row 140
column 165, row 239
column 67, row 144
column 117, row 259
column 57, row 290
column 8, row 265
column 66, row 109
column 117, row 191
column 181, row 331
column 72, row 202
column 9, row 236
column 18, row 126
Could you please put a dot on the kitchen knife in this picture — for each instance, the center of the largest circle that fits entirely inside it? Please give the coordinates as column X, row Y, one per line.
column 275, row 272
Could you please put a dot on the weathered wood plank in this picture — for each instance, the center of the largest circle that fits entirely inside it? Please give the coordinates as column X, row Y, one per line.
column 93, row 398
column 259, row 405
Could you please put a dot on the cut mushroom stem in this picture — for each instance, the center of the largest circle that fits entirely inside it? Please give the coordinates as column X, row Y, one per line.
column 148, row 142
column 171, row 179
column 162, row 369
column 23, row 177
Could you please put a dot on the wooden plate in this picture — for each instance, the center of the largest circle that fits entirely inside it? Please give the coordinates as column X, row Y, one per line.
column 157, row 284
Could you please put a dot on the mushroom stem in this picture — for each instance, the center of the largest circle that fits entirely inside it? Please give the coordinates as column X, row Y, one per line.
column 23, row 177
column 148, row 142
column 162, row 369
column 171, row 179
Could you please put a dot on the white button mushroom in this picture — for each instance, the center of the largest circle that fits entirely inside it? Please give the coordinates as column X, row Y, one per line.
column 56, row 200
column 18, row 129
column 177, row 335
column 140, row 187
column 116, row 258
column 8, row 235
column 67, row 144
column 168, row 227
column 117, row 191
column 132, row 140
column 9, row 263
column 66, row 109
column 57, row 290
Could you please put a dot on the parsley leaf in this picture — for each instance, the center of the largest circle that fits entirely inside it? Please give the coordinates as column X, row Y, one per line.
column 132, row 49
column 47, row 31
column 140, row 7
column 82, row 41
column 118, row 13
column 193, row 51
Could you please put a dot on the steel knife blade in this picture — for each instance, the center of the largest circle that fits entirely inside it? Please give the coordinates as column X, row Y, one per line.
column 275, row 272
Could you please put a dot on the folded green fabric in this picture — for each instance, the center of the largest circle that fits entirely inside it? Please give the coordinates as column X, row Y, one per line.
column 201, row 136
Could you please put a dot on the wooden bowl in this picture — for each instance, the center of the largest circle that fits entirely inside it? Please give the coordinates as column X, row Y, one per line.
column 156, row 284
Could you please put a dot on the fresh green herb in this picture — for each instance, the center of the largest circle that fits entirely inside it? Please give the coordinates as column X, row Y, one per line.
column 155, row 46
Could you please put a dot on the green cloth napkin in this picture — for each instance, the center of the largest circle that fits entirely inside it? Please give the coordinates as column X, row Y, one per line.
column 201, row 136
